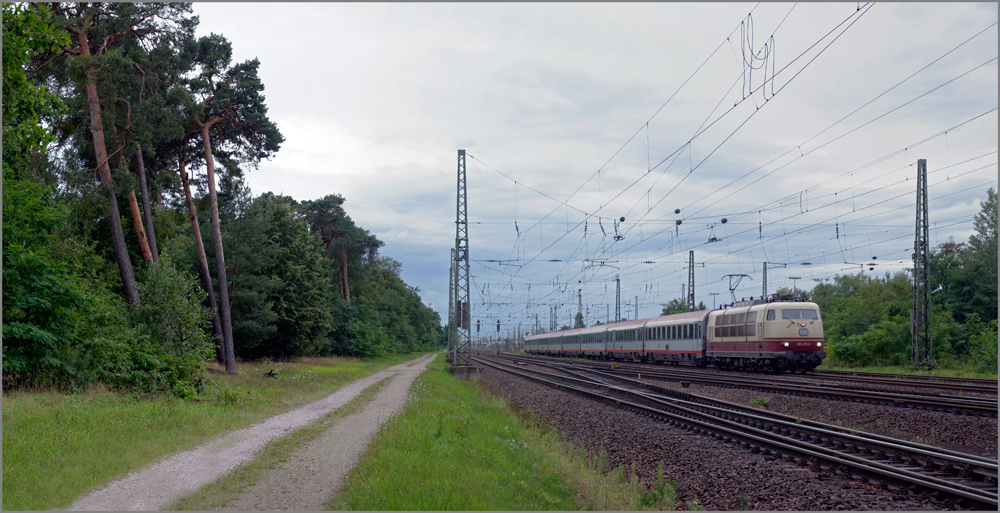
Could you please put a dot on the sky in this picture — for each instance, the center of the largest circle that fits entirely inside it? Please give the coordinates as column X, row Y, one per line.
column 800, row 125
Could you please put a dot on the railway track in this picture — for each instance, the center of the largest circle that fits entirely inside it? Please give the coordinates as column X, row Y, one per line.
column 970, row 481
column 931, row 401
column 911, row 377
column 933, row 384
column 925, row 387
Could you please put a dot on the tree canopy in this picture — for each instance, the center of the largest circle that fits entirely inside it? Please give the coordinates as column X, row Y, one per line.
column 96, row 97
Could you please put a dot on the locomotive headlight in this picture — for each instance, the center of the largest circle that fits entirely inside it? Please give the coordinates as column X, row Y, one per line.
column 819, row 344
column 786, row 344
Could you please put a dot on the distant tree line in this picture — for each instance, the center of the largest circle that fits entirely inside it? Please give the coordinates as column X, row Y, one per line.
column 123, row 265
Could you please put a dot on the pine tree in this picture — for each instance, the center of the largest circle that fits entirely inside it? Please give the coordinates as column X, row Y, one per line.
column 233, row 114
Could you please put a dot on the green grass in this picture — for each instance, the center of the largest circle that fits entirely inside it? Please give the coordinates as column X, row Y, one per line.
column 57, row 446
column 228, row 489
column 454, row 446
column 953, row 370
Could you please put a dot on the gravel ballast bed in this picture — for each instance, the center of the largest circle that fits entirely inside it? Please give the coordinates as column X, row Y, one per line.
column 718, row 476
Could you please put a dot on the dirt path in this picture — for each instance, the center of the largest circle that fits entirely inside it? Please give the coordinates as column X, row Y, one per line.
column 313, row 474
column 308, row 480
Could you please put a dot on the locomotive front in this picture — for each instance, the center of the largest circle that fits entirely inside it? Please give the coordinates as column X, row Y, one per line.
column 763, row 336
column 796, row 330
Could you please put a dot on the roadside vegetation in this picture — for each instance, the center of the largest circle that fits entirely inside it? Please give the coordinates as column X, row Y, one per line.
column 133, row 251
column 456, row 446
column 58, row 446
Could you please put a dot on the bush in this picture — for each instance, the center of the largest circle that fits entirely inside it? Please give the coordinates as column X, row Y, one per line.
column 888, row 342
column 171, row 312
column 157, row 347
column 368, row 340
column 171, row 317
column 42, row 298
column 984, row 349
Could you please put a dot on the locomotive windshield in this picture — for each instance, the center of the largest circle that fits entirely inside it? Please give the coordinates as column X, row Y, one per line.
column 799, row 314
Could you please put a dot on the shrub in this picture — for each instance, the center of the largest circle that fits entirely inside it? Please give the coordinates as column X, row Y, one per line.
column 176, row 325
column 42, row 299
column 368, row 340
column 984, row 349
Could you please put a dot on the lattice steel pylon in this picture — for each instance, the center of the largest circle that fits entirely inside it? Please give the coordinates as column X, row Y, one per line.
column 920, row 315
column 463, row 310
column 618, row 299
column 690, row 298
column 764, row 291
column 451, row 308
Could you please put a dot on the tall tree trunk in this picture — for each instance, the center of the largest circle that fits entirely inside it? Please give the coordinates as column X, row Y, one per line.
column 139, row 230
column 227, row 326
column 206, row 277
column 104, row 172
column 347, row 290
column 150, row 231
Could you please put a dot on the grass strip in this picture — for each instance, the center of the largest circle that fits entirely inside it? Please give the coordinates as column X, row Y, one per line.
column 953, row 370
column 56, row 447
column 456, row 446
column 228, row 489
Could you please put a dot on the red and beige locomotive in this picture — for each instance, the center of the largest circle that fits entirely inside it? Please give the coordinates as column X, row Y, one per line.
column 758, row 335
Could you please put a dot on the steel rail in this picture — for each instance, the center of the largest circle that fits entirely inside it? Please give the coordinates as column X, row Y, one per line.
column 975, row 385
column 913, row 377
column 891, row 380
column 947, row 404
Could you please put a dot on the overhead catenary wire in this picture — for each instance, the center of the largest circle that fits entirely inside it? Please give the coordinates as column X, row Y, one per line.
column 682, row 243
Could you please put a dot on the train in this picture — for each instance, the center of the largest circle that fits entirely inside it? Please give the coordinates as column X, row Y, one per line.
column 756, row 335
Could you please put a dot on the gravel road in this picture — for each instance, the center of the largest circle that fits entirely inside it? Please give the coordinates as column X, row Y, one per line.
column 314, row 477
column 314, row 473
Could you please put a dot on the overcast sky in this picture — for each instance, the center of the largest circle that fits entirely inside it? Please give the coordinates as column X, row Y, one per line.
column 801, row 124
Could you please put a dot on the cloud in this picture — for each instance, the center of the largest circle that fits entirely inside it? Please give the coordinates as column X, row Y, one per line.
column 374, row 101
